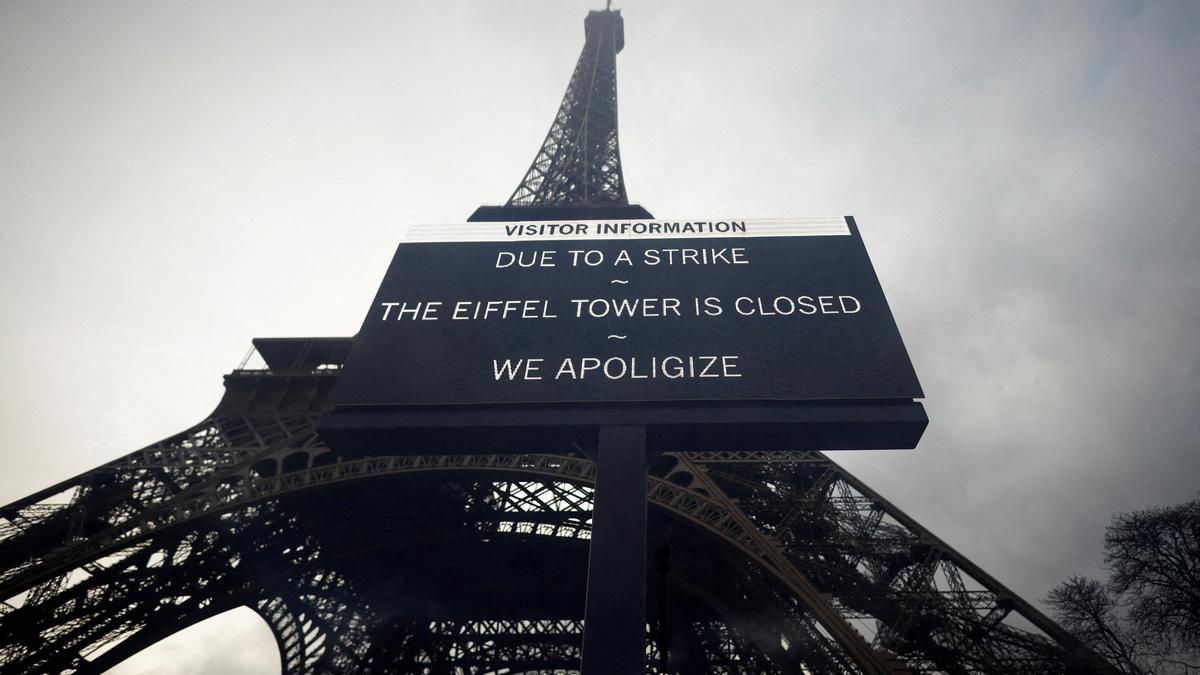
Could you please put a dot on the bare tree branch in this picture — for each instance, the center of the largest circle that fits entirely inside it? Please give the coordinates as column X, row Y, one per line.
column 1146, row 618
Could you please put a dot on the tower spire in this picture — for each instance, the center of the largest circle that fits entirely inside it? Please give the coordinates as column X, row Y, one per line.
column 579, row 163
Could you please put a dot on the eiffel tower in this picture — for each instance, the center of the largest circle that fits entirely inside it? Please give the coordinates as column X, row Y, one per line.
column 767, row 562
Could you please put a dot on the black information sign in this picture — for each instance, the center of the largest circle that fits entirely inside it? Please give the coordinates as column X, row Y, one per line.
column 550, row 315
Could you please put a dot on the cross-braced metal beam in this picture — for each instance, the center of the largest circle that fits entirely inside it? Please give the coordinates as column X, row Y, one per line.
column 781, row 562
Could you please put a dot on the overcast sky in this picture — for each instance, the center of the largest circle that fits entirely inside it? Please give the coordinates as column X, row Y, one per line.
column 177, row 178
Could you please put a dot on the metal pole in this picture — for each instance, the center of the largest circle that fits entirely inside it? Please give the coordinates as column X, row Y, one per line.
column 614, row 621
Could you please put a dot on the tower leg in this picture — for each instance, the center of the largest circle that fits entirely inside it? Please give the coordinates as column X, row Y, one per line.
column 614, row 626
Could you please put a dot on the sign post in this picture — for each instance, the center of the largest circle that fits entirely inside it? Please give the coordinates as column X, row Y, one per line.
column 614, row 618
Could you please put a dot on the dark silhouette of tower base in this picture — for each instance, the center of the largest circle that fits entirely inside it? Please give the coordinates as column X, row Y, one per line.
column 773, row 562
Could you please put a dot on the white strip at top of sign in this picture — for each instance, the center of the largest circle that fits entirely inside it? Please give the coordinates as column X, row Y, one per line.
column 628, row 229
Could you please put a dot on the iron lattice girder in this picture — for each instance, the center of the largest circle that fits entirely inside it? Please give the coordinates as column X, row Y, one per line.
column 579, row 162
column 120, row 509
column 223, row 504
column 183, row 576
